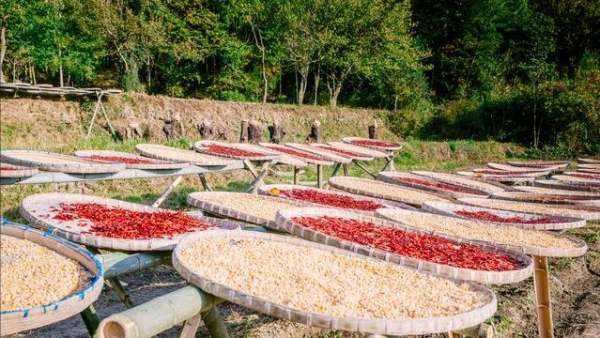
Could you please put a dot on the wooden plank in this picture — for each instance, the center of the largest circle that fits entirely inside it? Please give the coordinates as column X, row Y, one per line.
column 542, row 295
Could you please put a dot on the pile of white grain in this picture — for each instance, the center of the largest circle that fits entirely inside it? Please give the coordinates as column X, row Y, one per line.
column 379, row 189
column 318, row 281
column 259, row 206
column 33, row 275
column 541, row 208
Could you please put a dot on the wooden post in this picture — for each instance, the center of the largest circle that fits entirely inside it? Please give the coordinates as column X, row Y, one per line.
column 319, row 176
column 276, row 133
column 296, row 175
column 167, row 192
column 90, row 319
column 373, row 130
column 204, row 182
column 112, row 130
column 336, row 169
column 214, row 323
column 98, row 102
column 254, row 132
column 117, row 288
column 258, row 181
column 205, row 129
column 345, row 167
column 244, row 131
column 542, row 295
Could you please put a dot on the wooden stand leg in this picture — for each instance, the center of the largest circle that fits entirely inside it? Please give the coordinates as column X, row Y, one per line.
column 190, row 327
column 250, row 167
column 89, row 132
column 258, row 181
column 542, row 295
column 167, row 192
column 336, row 169
column 319, row 176
column 295, row 175
column 214, row 323
column 91, row 320
column 204, row 182
column 358, row 164
column 117, row 288
column 345, row 167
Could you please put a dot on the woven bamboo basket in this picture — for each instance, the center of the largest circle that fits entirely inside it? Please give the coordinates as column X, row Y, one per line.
column 333, row 150
column 273, row 189
column 181, row 155
column 540, row 164
column 512, row 168
column 587, row 213
column 553, row 191
column 577, row 181
column 285, row 223
column 385, row 191
column 357, row 149
column 201, row 200
column 594, row 166
column 57, row 162
column 16, row 171
column 319, row 160
column 461, row 180
column 37, row 209
column 354, row 141
column 589, row 171
column 352, row 324
column 15, row 321
column 202, row 146
column 511, row 178
column 546, row 198
column 592, row 175
column 565, row 185
column 489, row 171
column 588, row 160
column 155, row 165
column 395, row 177
column 317, row 151
column 558, row 222
column 579, row 247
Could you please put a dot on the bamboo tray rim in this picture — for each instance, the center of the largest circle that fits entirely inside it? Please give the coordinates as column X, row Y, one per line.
column 524, row 196
column 195, row 200
column 158, row 165
column 161, row 152
column 564, row 185
column 451, row 208
column 30, row 203
column 265, row 190
column 322, row 161
column 334, row 182
column 20, row 171
column 200, row 147
column 588, row 165
column 79, row 166
column 574, row 180
column 351, row 147
column 353, row 324
column 579, row 246
column 499, row 172
column 351, row 139
column 509, row 167
column 555, row 191
column 389, row 177
column 357, row 156
column 588, row 160
column 540, row 164
column 460, row 180
column 320, row 152
column 14, row 321
column 499, row 178
column 285, row 223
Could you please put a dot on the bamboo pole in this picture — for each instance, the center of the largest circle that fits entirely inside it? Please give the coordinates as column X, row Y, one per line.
column 93, row 116
column 90, row 319
column 336, row 169
column 204, row 182
column 167, row 192
column 295, row 175
column 160, row 314
column 319, row 176
column 358, row 164
column 542, row 295
column 345, row 167
column 119, row 263
column 118, row 288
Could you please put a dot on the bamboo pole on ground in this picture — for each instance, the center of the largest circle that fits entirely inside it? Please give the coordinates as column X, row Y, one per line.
column 119, row 263
column 542, row 295
column 319, row 176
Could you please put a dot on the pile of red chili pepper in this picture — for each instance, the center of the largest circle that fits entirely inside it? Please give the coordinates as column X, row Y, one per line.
column 8, row 167
column 440, row 185
column 297, row 153
column 490, row 217
column 231, row 151
column 426, row 247
column 374, row 143
column 120, row 159
column 505, row 172
column 128, row 224
column 340, row 151
column 331, row 199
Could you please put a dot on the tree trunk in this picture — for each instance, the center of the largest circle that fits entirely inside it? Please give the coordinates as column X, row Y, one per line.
column 276, row 133
column 254, row 132
column 244, row 131
column 149, row 75
column 62, row 84
column 258, row 40
column 317, row 78
column 3, row 47
column 335, row 94
column 315, row 133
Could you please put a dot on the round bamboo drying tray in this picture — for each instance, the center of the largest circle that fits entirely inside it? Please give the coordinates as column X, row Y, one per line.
column 564, row 185
column 316, row 151
column 268, row 191
column 490, row 171
column 181, row 155
column 333, row 150
column 512, row 168
column 363, row 325
column 540, row 164
column 512, row 178
column 57, row 162
column 594, row 166
column 588, row 160
column 589, row 171
column 578, row 211
column 285, row 223
column 16, row 171
column 579, row 247
column 156, row 165
column 545, row 198
column 201, row 146
column 357, row 149
column 553, row 191
column 275, row 148
column 352, row 140
column 461, row 180
column 37, row 210
column 202, row 201
column 451, row 209
column 577, row 181
column 393, row 177
column 15, row 321
column 382, row 190
column 593, row 176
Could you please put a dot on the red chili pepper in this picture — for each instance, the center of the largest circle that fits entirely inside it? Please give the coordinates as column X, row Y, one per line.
column 331, row 199
column 8, row 167
column 339, row 151
column 119, row 159
column 375, row 143
column 297, row 153
column 231, row 151
column 439, row 185
column 128, row 224
column 490, row 217
column 427, row 247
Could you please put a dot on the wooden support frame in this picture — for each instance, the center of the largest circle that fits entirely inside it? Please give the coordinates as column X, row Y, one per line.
column 319, row 176
column 259, row 175
column 541, row 280
column 295, row 179
column 165, row 194
column 204, row 182
column 361, row 166
column 100, row 107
